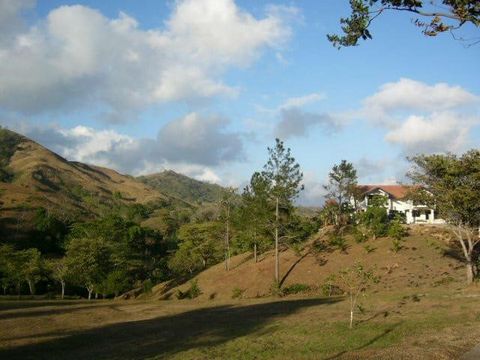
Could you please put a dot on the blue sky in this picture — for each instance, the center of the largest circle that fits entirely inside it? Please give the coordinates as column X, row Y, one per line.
column 204, row 86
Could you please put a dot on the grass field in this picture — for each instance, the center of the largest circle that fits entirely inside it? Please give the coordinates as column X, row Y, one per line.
column 437, row 324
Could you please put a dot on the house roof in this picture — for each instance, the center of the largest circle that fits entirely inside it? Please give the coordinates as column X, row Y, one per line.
column 396, row 191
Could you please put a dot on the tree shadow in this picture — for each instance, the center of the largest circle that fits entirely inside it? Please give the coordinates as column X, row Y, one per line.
column 293, row 267
column 368, row 343
column 162, row 336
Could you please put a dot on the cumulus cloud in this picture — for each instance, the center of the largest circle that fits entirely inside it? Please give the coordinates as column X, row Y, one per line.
column 437, row 132
column 423, row 118
column 314, row 191
column 408, row 95
column 295, row 122
column 194, row 145
column 77, row 56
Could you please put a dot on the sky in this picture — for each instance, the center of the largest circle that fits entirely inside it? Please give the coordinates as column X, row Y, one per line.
column 203, row 87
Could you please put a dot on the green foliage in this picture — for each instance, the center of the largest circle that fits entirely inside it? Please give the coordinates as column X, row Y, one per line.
column 338, row 242
column 201, row 245
column 191, row 293
column 454, row 14
column 283, row 174
column 369, row 248
column 397, row 232
column 276, row 289
column 375, row 219
column 329, row 288
column 296, row 289
column 358, row 235
column 147, row 286
column 342, row 182
column 182, row 187
column 237, row 293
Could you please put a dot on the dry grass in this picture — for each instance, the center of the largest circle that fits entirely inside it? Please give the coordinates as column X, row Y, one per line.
column 424, row 262
column 438, row 325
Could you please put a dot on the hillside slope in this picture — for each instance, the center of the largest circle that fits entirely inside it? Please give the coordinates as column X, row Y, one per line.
column 421, row 264
column 183, row 187
column 33, row 177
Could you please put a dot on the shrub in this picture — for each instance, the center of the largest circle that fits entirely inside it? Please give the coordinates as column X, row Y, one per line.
column 275, row 289
column 191, row 293
column 338, row 242
column 359, row 236
column 147, row 286
column 368, row 248
column 329, row 288
column 237, row 293
column 296, row 289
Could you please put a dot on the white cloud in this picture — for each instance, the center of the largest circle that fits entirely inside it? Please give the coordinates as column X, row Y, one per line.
column 77, row 56
column 195, row 145
column 302, row 100
column 437, row 132
column 423, row 118
column 408, row 95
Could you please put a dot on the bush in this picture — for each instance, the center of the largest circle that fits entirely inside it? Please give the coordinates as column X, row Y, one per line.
column 296, row 289
column 338, row 242
column 147, row 286
column 359, row 236
column 275, row 289
column 191, row 293
column 237, row 293
column 368, row 248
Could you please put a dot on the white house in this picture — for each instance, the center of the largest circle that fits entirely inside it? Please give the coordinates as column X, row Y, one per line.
column 414, row 213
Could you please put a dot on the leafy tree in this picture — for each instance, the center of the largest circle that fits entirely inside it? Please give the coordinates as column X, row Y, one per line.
column 453, row 14
column 451, row 183
column 89, row 261
column 355, row 281
column 9, row 269
column 60, row 272
column 285, row 178
column 227, row 203
column 342, row 182
column 397, row 232
column 375, row 217
column 202, row 243
column 32, row 267
column 254, row 215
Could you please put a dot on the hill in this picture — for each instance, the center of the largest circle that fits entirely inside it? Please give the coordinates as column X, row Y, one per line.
column 183, row 187
column 425, row 261
column 33, row 177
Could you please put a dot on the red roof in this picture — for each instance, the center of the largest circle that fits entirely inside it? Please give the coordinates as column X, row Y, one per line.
column 397, row 191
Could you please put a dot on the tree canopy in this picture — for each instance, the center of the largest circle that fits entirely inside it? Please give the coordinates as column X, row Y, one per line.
column 441, row 16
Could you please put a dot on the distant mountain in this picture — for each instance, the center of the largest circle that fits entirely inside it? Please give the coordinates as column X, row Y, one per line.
column 183, row 187
column 33, row 177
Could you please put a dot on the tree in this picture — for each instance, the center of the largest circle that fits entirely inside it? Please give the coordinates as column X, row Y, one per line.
column 451, row 183
column 89, row 261
column 375, row 217
column 31, row 267
column 355, row 280
column 285, row 177
column 443, row 16
column 226, row 204
column 9, row 271
column 342, row 182
column 200, row 242
column 59, row 272
column 254, row 215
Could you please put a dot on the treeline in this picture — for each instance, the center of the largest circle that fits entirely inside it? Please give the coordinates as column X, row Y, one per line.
column 115, row 253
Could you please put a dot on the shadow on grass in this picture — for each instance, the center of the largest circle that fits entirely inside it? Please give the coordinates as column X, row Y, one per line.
column 367, row 343
column 161, row 336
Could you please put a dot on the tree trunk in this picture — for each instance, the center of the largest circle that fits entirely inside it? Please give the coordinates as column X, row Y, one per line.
column 31, row 287
column 352, row 306
column 227, row 242
column 277, row 262
column 63, row 289
column 470, row 272
column 89, row 293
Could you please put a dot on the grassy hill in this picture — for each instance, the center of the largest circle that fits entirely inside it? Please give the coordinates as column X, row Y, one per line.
column 33, row 177
column 182, row 187
column 426, row 261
